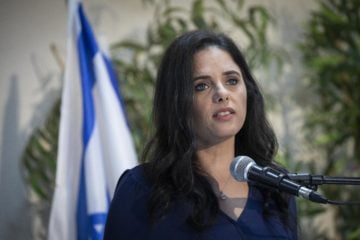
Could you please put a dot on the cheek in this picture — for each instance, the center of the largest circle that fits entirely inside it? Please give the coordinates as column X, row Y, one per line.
column 241, row 95
column 199, row 113
column 242, row 100
column 199, row 104
column 196, row 113
column 244, row 96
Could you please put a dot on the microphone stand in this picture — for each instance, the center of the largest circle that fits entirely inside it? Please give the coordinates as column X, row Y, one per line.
column 312, row 181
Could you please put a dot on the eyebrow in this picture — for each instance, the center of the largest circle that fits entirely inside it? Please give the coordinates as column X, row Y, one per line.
column 232, row 72
column 225, row 74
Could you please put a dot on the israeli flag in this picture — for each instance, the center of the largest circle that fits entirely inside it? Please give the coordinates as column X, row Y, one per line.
column 95, row 144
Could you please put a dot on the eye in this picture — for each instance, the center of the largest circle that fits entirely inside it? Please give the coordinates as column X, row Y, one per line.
column 201, row 87
column 232, row 81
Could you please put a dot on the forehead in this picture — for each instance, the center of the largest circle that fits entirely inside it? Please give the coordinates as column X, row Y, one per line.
column 213, row 58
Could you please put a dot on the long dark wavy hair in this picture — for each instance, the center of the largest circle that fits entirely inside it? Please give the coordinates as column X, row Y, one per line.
column 172, row 166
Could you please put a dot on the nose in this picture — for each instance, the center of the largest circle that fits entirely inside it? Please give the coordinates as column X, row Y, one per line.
column 221, row 95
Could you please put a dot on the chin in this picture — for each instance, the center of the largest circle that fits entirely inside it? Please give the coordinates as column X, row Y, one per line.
column 226, row 135
column 230, row 132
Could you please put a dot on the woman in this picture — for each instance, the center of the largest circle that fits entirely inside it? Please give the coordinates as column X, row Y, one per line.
column 207, row 110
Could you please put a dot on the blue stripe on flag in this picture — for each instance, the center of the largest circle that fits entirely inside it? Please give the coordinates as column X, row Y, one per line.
column 98, row 220
column 81, row 213
column 87, row 49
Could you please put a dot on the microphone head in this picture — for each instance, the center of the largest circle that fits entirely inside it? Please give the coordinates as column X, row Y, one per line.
column 238, row 167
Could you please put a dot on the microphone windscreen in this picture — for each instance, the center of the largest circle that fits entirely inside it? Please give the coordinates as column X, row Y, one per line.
column 238, row 167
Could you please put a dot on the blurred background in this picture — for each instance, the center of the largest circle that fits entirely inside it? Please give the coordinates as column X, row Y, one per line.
column 305, row 55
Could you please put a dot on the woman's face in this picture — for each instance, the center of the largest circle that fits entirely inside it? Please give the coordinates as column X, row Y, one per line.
column 219, row 97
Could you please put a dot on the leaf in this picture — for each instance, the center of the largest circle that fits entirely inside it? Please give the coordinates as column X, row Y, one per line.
column 129, row 44
column 197, row 14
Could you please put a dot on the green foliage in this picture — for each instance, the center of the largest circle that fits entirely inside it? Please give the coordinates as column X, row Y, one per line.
column 331, row 52
column 39, row 167
column 39, row 157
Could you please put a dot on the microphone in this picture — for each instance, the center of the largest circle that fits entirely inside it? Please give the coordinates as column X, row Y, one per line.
column 244, row 168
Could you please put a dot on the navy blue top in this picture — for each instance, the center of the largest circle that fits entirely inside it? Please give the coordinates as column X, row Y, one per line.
column 127, row 217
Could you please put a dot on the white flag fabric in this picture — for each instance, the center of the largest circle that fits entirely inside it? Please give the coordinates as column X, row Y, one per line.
column 95, row 144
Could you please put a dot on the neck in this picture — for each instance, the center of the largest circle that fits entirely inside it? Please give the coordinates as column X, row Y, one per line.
column 216, row 159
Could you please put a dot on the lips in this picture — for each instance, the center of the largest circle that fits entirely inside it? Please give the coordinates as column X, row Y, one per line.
column 224, row 114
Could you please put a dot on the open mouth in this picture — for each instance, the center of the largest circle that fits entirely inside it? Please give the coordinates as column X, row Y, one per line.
column 224, row 114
